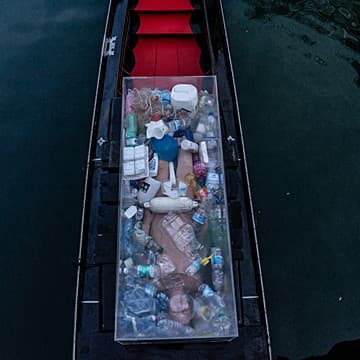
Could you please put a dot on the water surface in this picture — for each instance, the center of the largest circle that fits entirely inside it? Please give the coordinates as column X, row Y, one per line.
column 300, row 108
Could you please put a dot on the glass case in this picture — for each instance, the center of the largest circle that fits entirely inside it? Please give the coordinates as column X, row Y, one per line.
column 174, row 268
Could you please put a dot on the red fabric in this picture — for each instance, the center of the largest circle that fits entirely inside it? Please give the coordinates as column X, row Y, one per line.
column 163, row 23
column 164, row 5
column 166, row 56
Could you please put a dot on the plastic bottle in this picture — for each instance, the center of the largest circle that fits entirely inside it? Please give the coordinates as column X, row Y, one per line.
column 211, row 125
column 217, row 265
column 199, row 215
column 194, row 267
column 206, row 127
column 207, row 102
column 153, row 246
column 141, row 241
column 145, row 325
column 139, row 302
column 125, row 325
column 129, row 194
column 213, row 152
column 143, row 271
column 214, row 178
column 222, row 324
column 203, row 316
column 214, row 300
column 216, row 231
column 179, row 124
column 131, row 129
column 173, row 328
column 162, row 302
column 188, row 145
column 127, row 230
column 198, row 220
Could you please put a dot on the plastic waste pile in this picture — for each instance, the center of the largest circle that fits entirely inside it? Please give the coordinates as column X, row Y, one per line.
column 174, row 273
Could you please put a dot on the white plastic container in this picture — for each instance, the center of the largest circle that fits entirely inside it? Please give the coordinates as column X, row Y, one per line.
column 184, row 96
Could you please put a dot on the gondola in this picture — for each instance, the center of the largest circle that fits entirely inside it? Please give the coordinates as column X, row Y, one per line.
column 169, row 42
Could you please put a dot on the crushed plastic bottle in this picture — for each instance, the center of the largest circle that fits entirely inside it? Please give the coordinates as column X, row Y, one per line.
column 217, row 265
column 125, row 324
column 181, row 233
column 173, row 328
column 203, row 316
column 214, row 300
column 139, row 302
column 145, row 325
column 222, row 324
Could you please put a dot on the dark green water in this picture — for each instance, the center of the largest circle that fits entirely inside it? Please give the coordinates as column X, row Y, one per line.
column 300, row 107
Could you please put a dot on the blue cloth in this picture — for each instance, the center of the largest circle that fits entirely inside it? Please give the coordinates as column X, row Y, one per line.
column 167, row 148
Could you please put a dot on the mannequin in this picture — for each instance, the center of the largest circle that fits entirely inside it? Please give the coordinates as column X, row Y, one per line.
column 169, row 231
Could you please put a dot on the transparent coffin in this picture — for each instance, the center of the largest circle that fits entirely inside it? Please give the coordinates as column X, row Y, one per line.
column 174, row 268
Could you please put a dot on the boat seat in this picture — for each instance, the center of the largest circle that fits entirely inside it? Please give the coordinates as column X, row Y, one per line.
column 163, row 5
column 162, row 23
column 160, row 56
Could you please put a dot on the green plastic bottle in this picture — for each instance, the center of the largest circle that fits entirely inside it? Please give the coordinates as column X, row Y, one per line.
column 131, row 129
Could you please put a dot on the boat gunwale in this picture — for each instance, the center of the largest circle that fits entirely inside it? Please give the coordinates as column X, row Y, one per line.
column 87, row 190
column 250, row 200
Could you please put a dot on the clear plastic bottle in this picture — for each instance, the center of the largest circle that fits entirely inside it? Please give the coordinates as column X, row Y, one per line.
column 194, row 267
column 206, row 127
column 129, row 194
column 153, row 246
column 125, row 325
column 181, row 233
column 213, row 152
column 199, row 215
column 139, row 302
column 145, row 325
column 222, row 324
column 198, row 221
column 179, row 124
column 217, row 267
column 126, row 244
column 214, row 300
column 162, row 302
column 203, row 316
column 207, row 102
column 173, row 328
column 143, row 271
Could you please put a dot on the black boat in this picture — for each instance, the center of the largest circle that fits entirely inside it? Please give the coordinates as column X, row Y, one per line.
column 162, row 38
